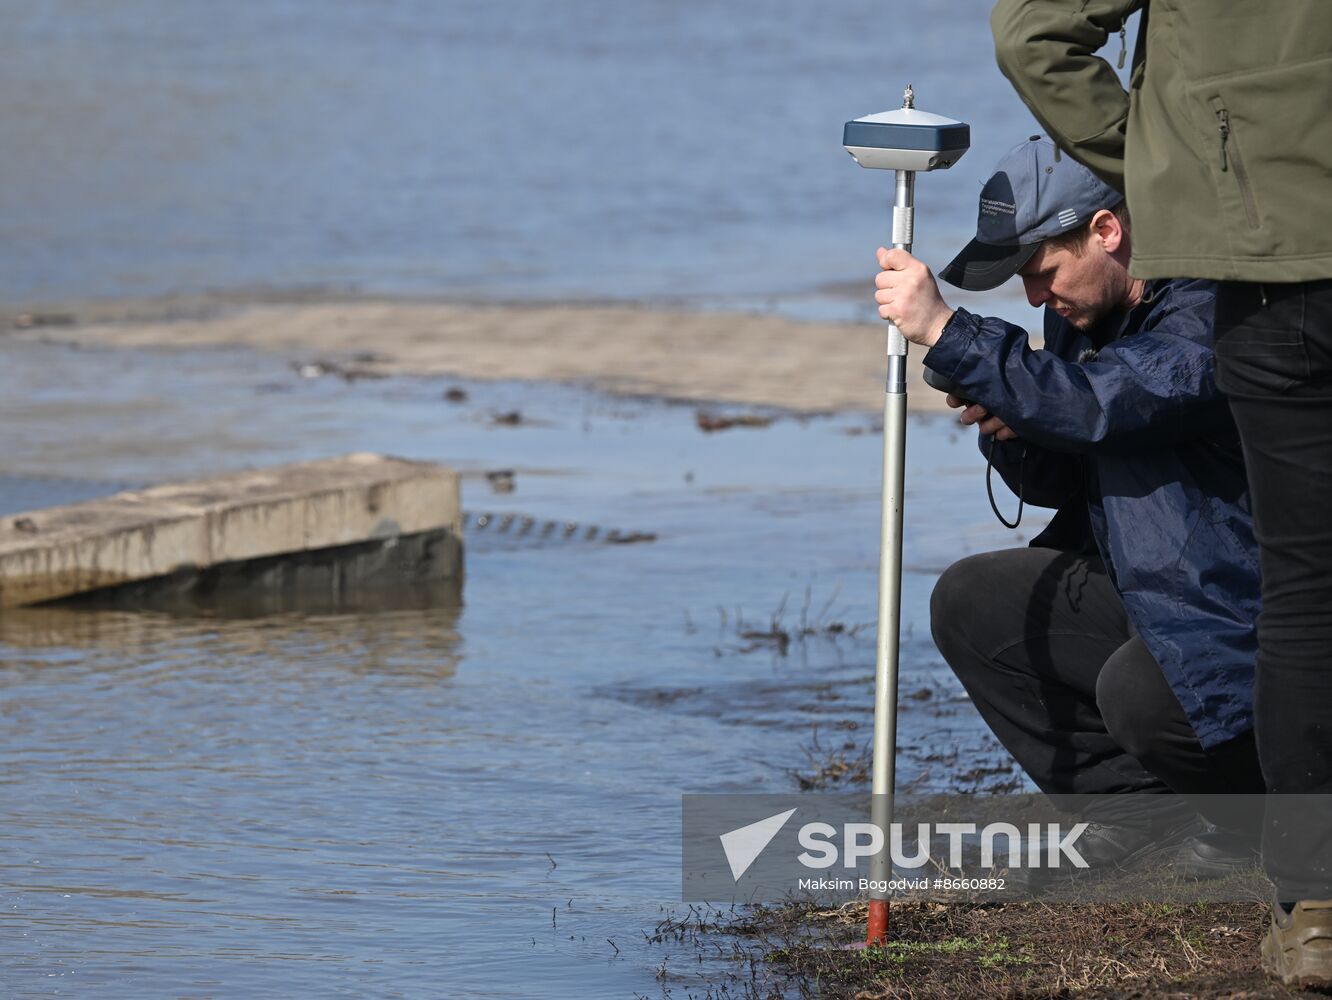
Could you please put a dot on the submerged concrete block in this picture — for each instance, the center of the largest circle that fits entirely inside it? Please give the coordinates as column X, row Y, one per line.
column 336, row 524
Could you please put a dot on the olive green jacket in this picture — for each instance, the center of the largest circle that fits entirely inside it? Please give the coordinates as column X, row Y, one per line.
column 1223, row 142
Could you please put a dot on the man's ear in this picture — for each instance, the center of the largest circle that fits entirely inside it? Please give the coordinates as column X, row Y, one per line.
column 1108, row 230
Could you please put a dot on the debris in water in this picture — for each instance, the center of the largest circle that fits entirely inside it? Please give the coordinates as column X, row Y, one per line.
column 525, row 525
column 349, row 373
column 847, row 763
column 631, row 537
column 501, row 480
column 775, row 636
column 709, row 422
column 26, row 321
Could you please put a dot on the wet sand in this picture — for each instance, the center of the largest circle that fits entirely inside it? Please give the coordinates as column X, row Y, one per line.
column 751, row 359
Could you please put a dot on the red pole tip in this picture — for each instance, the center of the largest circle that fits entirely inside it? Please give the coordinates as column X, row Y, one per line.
column 877, row 931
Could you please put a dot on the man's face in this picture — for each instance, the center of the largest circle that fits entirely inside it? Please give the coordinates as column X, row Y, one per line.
column 1083, row 289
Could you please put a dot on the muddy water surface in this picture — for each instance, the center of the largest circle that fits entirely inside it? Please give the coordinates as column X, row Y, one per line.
column 688, row 152
column 464, row 801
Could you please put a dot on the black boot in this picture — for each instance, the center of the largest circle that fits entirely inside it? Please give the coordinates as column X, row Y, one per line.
column 1216, row 853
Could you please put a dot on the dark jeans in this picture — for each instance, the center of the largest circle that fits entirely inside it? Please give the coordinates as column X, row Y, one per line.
column 1274, row 362
column 1042, row 643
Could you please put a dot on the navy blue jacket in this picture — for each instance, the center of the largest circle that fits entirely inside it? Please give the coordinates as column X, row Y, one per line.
column 1126, row 433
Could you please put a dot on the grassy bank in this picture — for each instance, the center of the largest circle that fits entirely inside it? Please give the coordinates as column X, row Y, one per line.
column 1027, row 950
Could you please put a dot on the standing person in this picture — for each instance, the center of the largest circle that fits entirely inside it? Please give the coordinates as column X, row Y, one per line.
column 1114, row 656
column 1223, row 145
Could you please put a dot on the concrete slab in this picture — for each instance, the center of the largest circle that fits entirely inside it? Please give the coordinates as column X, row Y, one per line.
column 285, row 527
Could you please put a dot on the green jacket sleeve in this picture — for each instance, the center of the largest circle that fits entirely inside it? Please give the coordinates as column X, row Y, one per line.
column 1047, row 49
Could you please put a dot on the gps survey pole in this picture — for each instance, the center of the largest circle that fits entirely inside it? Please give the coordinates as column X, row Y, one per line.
column 907, row 141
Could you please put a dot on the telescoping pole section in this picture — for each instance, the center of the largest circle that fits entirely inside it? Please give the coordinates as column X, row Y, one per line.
column 907, row 141
column 884, row 758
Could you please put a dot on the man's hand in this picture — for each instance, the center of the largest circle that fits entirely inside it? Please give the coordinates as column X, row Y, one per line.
column 974, row 414
column 909, row 298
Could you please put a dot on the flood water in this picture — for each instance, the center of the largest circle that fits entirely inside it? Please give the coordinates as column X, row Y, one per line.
column 478, row 799
column 460, row 801
column 680, row 150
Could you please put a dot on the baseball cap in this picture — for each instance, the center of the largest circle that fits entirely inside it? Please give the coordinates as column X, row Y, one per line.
column 1034, row 194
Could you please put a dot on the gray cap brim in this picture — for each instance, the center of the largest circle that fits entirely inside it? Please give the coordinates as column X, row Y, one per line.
column 982, row 266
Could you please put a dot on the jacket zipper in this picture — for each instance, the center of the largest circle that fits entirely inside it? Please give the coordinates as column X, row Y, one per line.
column 1230, row 158
column 1123, row 46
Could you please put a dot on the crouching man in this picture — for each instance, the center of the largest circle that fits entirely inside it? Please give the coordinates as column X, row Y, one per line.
column 1116, row 653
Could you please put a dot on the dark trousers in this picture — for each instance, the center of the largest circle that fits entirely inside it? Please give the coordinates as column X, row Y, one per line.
column 1274, row 362
column 1042, row 643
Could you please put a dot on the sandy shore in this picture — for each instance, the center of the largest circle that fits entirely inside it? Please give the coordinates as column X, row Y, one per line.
column 759, row 360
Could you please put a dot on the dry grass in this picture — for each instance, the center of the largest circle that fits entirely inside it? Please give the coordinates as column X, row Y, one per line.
column 1107, row 951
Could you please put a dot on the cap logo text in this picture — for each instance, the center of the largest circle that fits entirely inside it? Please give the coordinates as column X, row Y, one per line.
column 991, row 207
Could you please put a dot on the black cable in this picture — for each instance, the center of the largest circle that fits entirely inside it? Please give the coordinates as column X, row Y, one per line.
column 989, row 488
